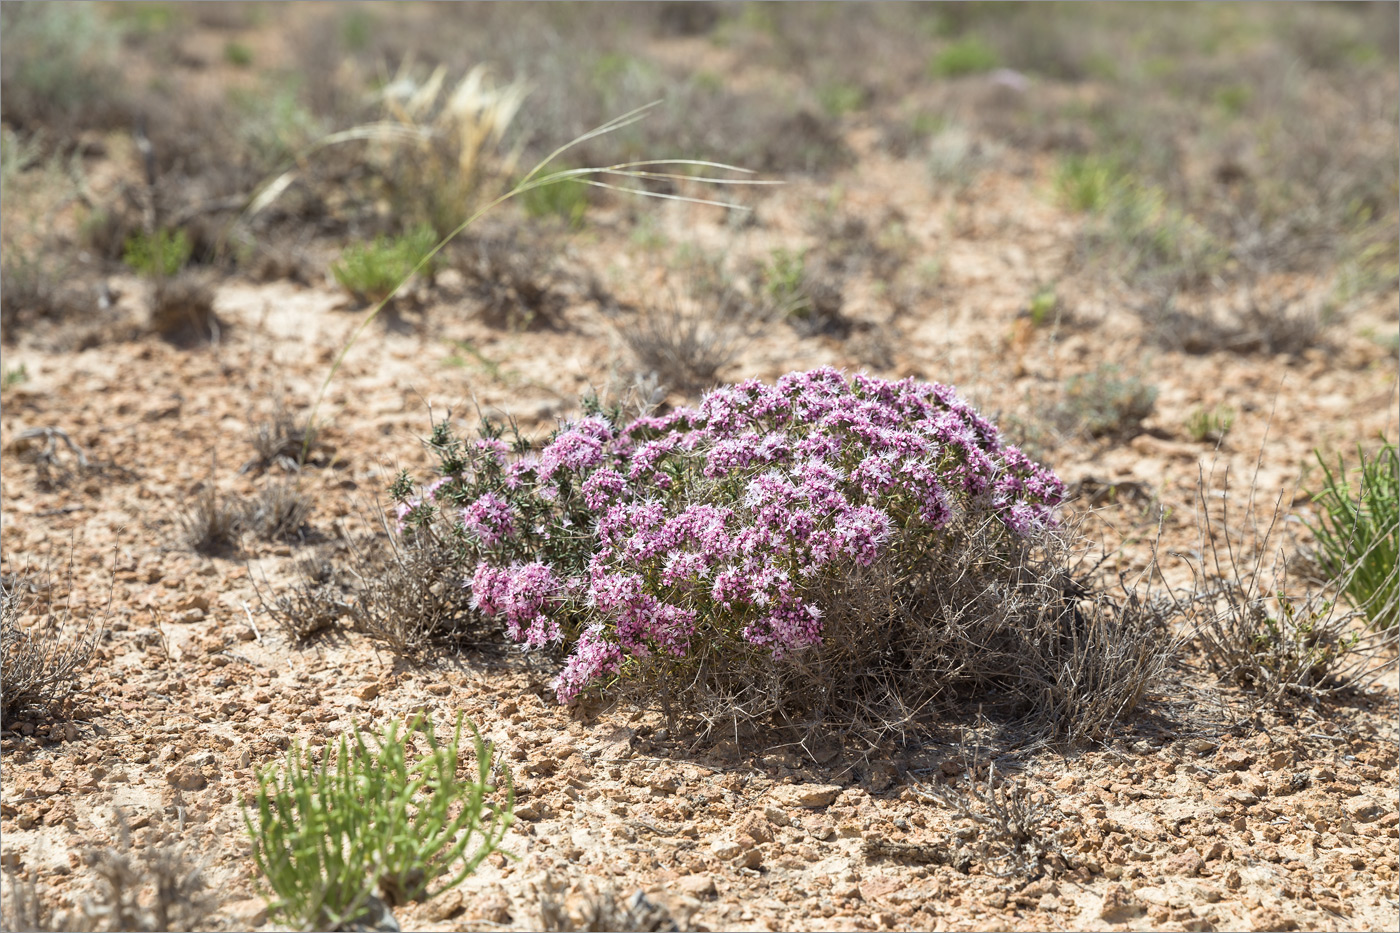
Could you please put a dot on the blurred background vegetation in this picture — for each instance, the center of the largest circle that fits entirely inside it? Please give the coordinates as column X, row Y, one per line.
column 1203, row 144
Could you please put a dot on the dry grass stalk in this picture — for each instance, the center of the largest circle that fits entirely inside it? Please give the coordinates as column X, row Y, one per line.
column 282, row 440
column 42, row 652
column 212, row 522
column 1257, row 630
column 1010, row 831
column 311, row 605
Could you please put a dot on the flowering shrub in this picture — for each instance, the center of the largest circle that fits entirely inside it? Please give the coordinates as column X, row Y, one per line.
column 732, row 529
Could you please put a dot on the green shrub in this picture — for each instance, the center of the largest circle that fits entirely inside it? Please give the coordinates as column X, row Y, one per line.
column 1358, row 534
column 808, row 296
column 964, row 57
column 326, row 835
column 157, row 256
column 371, row 273
column 783, row 275
column 839, row 99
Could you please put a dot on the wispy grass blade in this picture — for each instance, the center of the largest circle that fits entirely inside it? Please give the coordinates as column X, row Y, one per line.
column 530, row 182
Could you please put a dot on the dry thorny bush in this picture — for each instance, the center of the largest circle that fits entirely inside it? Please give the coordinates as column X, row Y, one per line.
column 517, row 281
column 1257, row 629
column 1010, row 831
column 602, row 911
column 43, row 649
column 406, row 595
column 213, row 522
column 1059, row 654
column 155, row 888
column 282, row 440
column 182, row 310
column 685, row 338
column 397, row 590
column 314, row 603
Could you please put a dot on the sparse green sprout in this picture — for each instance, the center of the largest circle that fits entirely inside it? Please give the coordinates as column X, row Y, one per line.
column 566, row 198
column 782, row 282
column 372, row 273
column 1210, row 424
column 967, row 56
column 1042, row 306
column 14, row 375
column 1358, row 533
column 839, row 99
column 376, row 816
column 238, row 54
column 1085, row 184
column 158, row 256
column 1301, row 648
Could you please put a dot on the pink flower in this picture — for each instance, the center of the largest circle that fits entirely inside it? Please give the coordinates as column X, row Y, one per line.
column 489, row 520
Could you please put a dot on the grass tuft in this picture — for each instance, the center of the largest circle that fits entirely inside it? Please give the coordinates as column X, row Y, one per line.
column 43, row 650
column 1261, row 630
column 212, row 522
column 966, row 56
column 1210, row 424
column 371, row 273
column 1358, row 532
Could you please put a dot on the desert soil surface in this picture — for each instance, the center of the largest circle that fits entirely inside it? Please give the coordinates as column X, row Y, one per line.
column 1202, row 812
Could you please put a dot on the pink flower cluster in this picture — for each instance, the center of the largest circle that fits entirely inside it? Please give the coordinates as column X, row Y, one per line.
column 488, row 520
column 522, row 594
column 724, row 521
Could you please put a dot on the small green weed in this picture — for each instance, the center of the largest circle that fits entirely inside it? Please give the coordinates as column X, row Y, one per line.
column 14, row 375
column 356, row 30
column 782, row 275
column 839, row 99
column 147, row 19
column 238, row 55
column 967, row 56
column 1358, row 534
column 567, row 199
column 1298, row 647
column 465, row 353
column 371, row 273
column 1210, row 424
column 1085, row 184
column 1043, row 305
column 157, row 256
column 326, row 835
